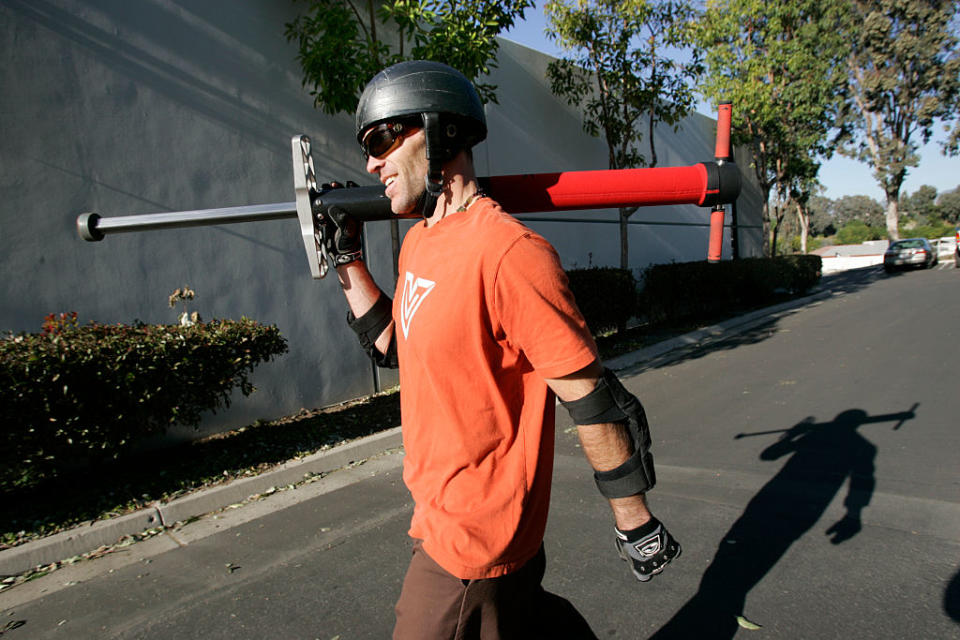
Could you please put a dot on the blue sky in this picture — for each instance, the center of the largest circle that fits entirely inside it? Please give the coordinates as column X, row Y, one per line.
column 840, row 176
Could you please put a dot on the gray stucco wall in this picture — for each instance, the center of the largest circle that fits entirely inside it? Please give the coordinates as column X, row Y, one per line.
column 134, row 107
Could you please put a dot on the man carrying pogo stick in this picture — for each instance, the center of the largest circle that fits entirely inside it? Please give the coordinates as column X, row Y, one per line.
column 485, row 331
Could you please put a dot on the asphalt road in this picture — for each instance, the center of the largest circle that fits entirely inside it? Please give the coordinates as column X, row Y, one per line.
column 807, row 465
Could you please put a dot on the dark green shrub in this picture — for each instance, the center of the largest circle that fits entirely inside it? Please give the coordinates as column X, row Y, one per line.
column 607, row 297
column 83, row 394
column 802, row 272
column 857, row 231
column 691, row 291
column 929, row 231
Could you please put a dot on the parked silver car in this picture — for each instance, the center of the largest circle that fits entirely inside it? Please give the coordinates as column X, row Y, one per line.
column 912, row 252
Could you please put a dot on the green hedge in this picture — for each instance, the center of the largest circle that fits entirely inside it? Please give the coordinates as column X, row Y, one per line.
column 607, row 297
column 74, row 395
column 689, row 291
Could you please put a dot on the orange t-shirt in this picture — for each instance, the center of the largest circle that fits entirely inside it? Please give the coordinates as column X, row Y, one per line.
column 483, row 314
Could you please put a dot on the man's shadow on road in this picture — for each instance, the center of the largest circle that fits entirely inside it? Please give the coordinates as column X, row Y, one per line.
column 822, row 457
column 951, row 598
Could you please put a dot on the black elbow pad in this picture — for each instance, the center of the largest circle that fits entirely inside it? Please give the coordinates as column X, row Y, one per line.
column 370, row 325
column 611, row 402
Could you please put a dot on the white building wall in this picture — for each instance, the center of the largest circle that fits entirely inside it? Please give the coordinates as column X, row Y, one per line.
column 127, row 107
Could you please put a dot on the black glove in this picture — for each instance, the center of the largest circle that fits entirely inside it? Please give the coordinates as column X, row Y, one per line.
column 342, row 234
column 648, row 549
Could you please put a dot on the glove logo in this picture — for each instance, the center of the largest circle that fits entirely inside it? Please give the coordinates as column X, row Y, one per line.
column 649, row 547
column 415, row 291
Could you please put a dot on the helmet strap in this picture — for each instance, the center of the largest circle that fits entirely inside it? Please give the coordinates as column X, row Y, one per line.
column 435, row 157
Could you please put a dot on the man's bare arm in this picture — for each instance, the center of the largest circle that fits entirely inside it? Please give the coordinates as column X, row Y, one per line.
column 623, row 466
column 606, row 445
column 362, row 293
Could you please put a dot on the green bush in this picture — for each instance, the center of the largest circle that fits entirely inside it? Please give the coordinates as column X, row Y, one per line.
column 607, row 297
column 802, row 272
column 73, row 395
column 691, row 291
column 858, row 232
column 929, row 231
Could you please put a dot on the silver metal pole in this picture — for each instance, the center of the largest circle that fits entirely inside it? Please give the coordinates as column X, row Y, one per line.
column 92, row 227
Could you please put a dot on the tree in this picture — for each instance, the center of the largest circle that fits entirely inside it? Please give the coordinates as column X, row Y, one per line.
column 623, row 68
column 777, row 63
column 862, row 208
column 904, row 76
column 921, row 204
column 342, row 44
column 949, row 204
column 802, row 190
column 821, row 212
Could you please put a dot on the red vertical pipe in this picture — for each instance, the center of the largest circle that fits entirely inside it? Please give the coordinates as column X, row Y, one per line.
column 722, row 153
column 722, row 150
column 716, row 234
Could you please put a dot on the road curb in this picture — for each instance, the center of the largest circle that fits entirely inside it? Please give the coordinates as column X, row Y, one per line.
column 87, row 538
column 214, row 498
column 712, row 333
column 75, row 542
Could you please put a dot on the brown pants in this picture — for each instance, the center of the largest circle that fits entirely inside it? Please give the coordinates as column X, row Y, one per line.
column 435, row 605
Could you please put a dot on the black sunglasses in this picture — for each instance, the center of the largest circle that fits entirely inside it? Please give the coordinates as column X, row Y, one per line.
column 383, row 138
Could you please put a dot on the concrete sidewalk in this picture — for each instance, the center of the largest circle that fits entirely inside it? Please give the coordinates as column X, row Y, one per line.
column 88, row 538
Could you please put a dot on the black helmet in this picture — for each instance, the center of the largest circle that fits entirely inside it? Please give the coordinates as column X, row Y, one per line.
column 412, row 89
column 443, row 100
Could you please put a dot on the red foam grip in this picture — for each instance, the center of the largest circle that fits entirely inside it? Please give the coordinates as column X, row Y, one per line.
column 715, row 249
column 572, row 190
column 722, row 150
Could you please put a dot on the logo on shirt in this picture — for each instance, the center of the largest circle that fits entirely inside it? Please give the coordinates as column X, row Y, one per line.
column 415, row 290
